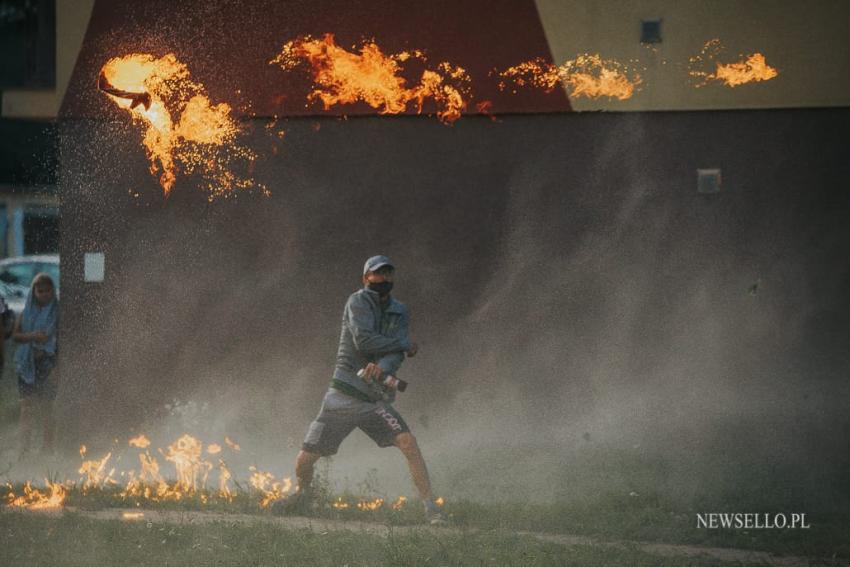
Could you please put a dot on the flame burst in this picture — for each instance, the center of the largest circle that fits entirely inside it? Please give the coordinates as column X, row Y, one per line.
column 373, row 77
column 753, row 68
column 587, row 75
column 34, row 499
column 184, row 131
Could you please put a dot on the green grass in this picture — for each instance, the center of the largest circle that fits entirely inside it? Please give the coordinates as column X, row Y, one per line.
column 70, row 539
column 605, row 518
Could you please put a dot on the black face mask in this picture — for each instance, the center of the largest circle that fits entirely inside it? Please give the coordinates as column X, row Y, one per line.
column 383, row 288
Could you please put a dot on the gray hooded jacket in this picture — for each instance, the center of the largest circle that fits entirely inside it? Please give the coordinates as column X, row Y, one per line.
column 371, row 332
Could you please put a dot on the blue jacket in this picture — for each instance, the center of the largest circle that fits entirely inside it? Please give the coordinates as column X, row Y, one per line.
column 371, row 332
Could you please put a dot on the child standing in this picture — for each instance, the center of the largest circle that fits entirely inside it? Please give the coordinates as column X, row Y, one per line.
column 35, row 330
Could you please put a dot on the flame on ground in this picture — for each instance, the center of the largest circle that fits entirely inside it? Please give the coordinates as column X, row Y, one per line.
column 93, row 471
column 35, row 499
column 750, row 69
column 224, row 477
column 269, row 488
column 370, row 505
column 191, row 471
column 184, row 131
column 588, row 75
column 371, row 76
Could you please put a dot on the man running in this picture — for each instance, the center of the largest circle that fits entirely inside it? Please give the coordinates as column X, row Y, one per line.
column 372, row 346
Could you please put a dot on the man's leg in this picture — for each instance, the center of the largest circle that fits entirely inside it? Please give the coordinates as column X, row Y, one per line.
column 304, row 466
column 406, row 442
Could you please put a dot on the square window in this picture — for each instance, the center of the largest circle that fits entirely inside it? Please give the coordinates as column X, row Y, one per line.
column 708, row 180
column 650, row 31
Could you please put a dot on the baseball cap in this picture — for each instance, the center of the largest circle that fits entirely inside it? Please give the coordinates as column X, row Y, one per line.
column 375, row 263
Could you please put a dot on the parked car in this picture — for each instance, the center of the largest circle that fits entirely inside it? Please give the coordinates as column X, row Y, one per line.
column 16, row 275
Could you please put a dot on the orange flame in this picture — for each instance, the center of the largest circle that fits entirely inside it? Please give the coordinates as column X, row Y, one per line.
column 370, row 505
column 269, row 488
column 93, row 473
column 202, row 137
column 34, row 499
column 224, row 477
column 141, row 442
column 340, row 503
column 588, row 75
column 213, row 449
column 234, row 446
column 400, row 503
column 370, row 76
column 753, row 68
column 192, row 472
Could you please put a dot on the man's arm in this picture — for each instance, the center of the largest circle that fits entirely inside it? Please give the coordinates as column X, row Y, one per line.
column 389, row 363
column 361, row 323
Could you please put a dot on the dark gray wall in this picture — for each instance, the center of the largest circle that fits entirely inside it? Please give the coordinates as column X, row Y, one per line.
column 561, row 270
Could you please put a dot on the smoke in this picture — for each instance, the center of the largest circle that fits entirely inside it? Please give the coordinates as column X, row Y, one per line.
column 588, row 322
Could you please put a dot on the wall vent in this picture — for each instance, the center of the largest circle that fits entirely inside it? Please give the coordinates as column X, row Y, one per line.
column 708, row 180
column 650, row 31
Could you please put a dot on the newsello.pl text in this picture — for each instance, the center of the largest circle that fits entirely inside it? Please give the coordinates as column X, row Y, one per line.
column 751, row 521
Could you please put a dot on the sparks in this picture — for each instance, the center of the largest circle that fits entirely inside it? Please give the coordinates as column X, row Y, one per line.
column 184, row 131
column 588, row 75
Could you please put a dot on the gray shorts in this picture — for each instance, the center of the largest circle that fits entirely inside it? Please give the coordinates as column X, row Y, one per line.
column 340, row 414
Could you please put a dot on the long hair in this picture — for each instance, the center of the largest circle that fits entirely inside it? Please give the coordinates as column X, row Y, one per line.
column 42, row 277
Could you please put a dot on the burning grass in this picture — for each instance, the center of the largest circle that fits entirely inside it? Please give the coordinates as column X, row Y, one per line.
column 182, row 476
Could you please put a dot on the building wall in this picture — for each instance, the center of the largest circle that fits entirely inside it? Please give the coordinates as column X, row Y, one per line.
column 565, row 261
column 72, row 18
column 805, row 41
